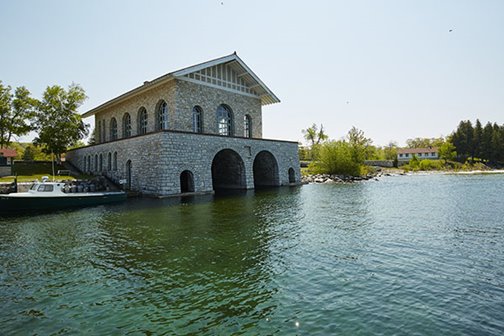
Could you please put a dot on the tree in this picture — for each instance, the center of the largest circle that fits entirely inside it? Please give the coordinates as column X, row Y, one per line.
column 58, row 123
column 16, row 113
column 390, row 151
column 336, row 157
column 477, row 135
column 315, row 137
column 29, row 153
column 462, row 139
column 447, row 151
column 361, row 146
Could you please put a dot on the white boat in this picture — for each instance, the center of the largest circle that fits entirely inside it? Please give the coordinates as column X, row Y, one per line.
column 47, row 195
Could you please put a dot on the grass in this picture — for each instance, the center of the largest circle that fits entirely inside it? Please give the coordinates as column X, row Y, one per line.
column 31, row 178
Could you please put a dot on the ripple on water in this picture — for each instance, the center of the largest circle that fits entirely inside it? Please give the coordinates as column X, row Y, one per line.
column 405, row 255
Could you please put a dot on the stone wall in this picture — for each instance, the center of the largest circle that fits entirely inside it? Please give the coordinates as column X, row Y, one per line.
column 158, row 159
column 181, row 97
column 189, row 94
column 5, row 170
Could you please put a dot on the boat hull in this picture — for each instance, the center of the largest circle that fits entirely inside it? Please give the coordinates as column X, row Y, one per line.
column 18, row 205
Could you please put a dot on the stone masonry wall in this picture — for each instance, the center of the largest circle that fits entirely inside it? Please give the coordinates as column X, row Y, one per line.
column 208, row 98
column 158, row 159
column 181, row 97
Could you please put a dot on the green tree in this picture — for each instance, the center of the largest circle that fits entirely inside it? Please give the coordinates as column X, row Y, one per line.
column 462, row 139
column 336, row 157
column 16, row 113
column 486, row 142
column 58, row 123
column 360, row 145
column 29, row 153
column 478, row 134
column 390, row 151
column 447, row 151
column 314, row 137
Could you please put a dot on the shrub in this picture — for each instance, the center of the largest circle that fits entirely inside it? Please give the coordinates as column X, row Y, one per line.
column 336, row 157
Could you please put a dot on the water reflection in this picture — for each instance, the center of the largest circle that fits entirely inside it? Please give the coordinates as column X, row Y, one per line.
column 318, row 259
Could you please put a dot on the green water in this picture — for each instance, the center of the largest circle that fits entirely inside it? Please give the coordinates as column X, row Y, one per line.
column 404, row 255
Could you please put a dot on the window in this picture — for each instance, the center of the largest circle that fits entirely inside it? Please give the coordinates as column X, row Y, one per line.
column 101, row 162
column 98, row 132
column 89, row 163
column 162, row 116
column 45, row 188
column 224, row 120
column 406, row 155
column 104, row 131
column 109, row 162
column 197, row 119
column 247, row 126
column 114, row 165
column 113, row 129
column 126, row 125
column 400, row 155
column 96, row 162
column 142, row 121
column 433, row 154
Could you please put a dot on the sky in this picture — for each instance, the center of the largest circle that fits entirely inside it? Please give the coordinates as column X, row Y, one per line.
column 394, row 69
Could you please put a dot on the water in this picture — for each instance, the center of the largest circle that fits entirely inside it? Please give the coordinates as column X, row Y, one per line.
column 410, row 255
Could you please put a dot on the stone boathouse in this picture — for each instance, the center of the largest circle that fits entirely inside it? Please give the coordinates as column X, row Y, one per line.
column 198, row 129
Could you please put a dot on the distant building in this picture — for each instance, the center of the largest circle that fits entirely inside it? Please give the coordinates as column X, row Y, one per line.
column 197, row 129
column 7, row 156
column 406, row 154
column 6, row 160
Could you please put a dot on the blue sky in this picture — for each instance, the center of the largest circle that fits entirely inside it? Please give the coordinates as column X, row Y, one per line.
column 390, row 68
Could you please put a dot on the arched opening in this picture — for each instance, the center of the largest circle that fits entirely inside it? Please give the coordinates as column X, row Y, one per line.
column 113, row 129
column 126, row 125
column 109, row 162
column 95, row 162
column 197, row 119
column 228, row 171
column 265, row 170
column 224, row 120
column 292, row 175
column 162, row 115
column 247, row 126
column 128, row 174
column 142, row 120
column 186, row 182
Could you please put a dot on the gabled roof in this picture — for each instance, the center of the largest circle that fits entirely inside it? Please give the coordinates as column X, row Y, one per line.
column 7, row 152
column 417, row 150
column 235, row 76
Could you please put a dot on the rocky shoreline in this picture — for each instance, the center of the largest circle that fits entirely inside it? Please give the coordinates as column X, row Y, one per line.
column 327, row 178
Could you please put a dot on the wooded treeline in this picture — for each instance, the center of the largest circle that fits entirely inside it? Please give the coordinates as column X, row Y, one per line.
column 478, row 143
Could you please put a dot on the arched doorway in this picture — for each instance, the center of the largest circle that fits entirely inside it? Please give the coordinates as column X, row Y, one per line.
column 292, row 175
column 186, row 182
column 265, row 170
column 128, row 175
column 228, row 171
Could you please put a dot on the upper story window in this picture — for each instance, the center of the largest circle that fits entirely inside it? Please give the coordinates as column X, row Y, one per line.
column 247, row 126
column 162, row 115
column 142, row 121
column 104, row 131
column 113, row 129
column 98, row 132
column 224, row 120
column 126, row 125
column 197, row 119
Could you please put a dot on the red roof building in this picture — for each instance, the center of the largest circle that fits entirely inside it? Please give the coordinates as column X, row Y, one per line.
column 7, row 156
column 406, row 154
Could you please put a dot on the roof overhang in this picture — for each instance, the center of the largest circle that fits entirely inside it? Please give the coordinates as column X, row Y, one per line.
column 263, row 92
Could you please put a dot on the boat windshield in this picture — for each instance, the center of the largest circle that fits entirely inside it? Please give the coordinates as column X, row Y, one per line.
column 45, row 187
column 33, row 186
